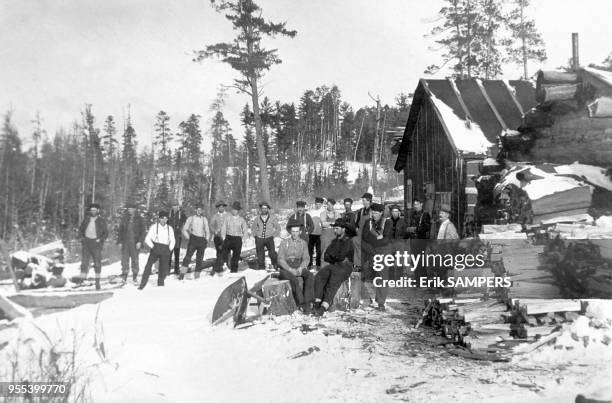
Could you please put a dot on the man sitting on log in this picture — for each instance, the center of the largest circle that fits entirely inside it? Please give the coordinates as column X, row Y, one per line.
column 339, row 255
column 293, row 259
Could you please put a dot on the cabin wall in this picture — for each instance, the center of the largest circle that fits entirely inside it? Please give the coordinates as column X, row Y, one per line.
column 432, row 159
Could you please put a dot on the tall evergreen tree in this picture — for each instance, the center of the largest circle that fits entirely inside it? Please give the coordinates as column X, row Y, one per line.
column 246, row 55
column 163, row 139
column 525, row 42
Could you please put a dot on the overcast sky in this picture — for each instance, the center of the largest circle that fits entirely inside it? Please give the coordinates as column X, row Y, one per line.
column 57, row 55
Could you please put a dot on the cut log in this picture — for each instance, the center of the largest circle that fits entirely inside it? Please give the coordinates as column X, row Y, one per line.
column 356, row 285
column 280, row 297
column 58, row 300
column 537, row 306
column 11, row 310
column 494, row 229
column 553, row 93
column 556, row 77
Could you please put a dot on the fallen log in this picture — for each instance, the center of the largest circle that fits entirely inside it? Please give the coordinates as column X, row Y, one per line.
column 537, row 306
column 555, row 77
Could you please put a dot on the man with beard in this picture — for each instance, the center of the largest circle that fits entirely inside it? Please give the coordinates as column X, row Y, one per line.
column 293, row 262
column 373, row 243
column 265, row 228
column 130, row 236
column 197, row 233
column 216, row 222
column 302, row 219
column 176, row 220
column 93, row 231
column 339, row 255
column 395, row 227
column 160, row 239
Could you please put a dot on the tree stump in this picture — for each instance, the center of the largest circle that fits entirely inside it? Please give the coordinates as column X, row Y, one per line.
column 280, row 297
column 348, row 295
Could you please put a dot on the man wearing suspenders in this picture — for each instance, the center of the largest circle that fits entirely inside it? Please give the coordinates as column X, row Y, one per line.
column 265, row 228
column 302, row 219
column 160, row 239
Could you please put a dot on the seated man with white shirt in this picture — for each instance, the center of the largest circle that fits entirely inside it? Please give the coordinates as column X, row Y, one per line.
column 160, row 239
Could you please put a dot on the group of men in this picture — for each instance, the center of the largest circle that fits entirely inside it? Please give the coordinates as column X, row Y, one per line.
column 343, row 241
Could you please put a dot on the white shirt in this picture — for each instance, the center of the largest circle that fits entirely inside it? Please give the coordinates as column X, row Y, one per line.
column 158, row 233
column 447, row 231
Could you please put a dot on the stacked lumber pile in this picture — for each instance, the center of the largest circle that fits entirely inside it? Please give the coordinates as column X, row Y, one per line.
column 493, row 327
column 572, row 120
column 39, row 267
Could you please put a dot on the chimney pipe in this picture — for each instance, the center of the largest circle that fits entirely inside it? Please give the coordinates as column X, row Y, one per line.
column 575, row 56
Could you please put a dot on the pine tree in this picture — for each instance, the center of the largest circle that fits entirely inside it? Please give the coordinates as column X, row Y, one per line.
column 246, row 55
column 193, row 178
column 526, row 42
column 163, row 138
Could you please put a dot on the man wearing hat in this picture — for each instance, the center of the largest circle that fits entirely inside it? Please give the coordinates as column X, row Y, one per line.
column 197, row 233
column 93, row 232
column 362, row 216
column 233, row 231
column 293, row 262
column 215, row 229
column 160, row 239
column 447, row 228
column 374, row 242
column 339, row 254
column 176, row 220
column 265, row 228
column 302, row 219
column 395, row 227
column 130, row 236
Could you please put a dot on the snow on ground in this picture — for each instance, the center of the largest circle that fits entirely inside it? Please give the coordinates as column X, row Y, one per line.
column 353, row 169
column 160, row 347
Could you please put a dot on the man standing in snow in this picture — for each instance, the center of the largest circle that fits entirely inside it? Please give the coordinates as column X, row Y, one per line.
column 418, row 231
column 302, row 219
column 293, row 262
column 216, row 222
column 196, row 231
column 93, row 232
column 339, row 255
column 314, row 237
column 265, row 228
column 374, row 242
column 176, row 220
column 348, row 214
column 234, row 231
column 130, row 236
column 160, row 239
column 362, row 216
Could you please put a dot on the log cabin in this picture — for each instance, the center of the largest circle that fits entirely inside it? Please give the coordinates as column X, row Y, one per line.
column 452, row 126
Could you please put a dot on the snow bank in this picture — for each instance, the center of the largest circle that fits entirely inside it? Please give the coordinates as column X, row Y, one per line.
column 591, row 173
column 466, row 135
column 601, row 74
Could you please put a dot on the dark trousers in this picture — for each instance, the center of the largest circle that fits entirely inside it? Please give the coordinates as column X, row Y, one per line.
column 129, row 252
column 329, row 279
column 221, row 258
column 302, row 295
column 91, row 249
column 380, row 293
column 314, row 244
column 261, row 244
column 232, row 244
column 196, row 244
column 176, row 252
column 159, row 252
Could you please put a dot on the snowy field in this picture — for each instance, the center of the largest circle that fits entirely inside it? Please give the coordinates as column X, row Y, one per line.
column 157, row 345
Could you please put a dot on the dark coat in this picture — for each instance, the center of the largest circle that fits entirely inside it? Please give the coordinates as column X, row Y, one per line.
column 139, row 229
column 422, row 223
column 304, row 221
column 101, row 228
column 176, row 220
column 395, row 229
column 371, row 245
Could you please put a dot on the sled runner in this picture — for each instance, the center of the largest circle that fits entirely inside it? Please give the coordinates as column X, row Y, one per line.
column 232, row 303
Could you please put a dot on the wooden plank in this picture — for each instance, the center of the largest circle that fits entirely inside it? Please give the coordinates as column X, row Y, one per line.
column 57, row 300
column 12, row 310
column 537, row 306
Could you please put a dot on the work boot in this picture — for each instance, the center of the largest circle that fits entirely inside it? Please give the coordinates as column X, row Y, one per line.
column 77, row 279
column 97, row 284
column 135, row 277
column 124, row 277
column 320, row 311
column 307, row 309
column 381, row 307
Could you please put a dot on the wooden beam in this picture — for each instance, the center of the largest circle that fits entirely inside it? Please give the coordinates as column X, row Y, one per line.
column 500, row 120
column 514, row 98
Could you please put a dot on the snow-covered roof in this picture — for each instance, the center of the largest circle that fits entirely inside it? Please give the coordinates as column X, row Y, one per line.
column 466, row 135
column 603, row 75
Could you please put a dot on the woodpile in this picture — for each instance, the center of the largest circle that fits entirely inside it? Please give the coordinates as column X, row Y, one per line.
column 489, row 326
